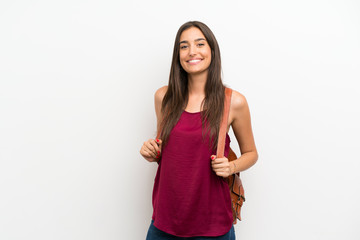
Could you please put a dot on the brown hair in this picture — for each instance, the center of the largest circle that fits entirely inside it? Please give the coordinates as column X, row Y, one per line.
column 176, row 97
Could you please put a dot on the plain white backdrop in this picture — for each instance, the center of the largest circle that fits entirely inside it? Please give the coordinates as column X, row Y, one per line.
column 77, row 83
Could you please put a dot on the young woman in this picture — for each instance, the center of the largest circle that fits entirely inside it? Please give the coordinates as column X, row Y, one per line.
column 191, row 199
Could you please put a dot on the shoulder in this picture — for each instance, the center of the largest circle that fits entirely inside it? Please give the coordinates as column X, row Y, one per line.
column 238, row 101
column 238, row 107
column 159, row 94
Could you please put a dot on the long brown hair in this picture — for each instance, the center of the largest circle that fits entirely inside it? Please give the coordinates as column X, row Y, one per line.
column 176, row 97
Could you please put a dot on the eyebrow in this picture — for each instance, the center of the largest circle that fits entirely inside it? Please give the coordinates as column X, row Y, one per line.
column 196, row 40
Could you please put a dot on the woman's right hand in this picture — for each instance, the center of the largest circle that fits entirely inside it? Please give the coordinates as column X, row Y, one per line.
column 151, row 150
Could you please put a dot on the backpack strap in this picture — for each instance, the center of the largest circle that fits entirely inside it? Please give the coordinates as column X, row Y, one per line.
column 223, row 124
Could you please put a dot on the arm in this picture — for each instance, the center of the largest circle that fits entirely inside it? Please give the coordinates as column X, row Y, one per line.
column 151, row 149
column 158, row 98
column 240, row 121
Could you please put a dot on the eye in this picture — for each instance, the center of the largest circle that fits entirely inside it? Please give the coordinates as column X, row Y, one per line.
column 201, row 44
column 183, row 47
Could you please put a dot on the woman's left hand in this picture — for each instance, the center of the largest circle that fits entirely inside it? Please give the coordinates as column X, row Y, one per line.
column 221, row 166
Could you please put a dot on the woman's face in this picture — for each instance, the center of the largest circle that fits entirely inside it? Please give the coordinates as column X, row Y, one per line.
column 195, row 52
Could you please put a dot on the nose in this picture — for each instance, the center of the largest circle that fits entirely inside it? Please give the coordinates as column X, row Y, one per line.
column 192, row 50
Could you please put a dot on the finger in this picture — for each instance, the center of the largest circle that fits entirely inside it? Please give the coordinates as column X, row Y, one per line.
column 157, row 149
column 213, row 157
column 221, row 174
column 159, row 143
column 155, row 146
column 221, row 166
column 146, row 155
column 150, row 153
column 150, row 146
column 216, row 167
column 220, row 160
column 142, row 152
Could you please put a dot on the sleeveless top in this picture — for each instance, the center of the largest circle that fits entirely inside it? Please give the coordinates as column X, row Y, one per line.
column 189, row 199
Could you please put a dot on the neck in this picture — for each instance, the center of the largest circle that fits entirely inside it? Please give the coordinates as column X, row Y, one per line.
column 196, row 83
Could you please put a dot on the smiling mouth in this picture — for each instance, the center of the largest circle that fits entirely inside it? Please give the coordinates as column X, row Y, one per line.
column 194, row 61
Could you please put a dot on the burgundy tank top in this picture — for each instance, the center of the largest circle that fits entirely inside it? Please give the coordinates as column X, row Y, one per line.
column 189, row 199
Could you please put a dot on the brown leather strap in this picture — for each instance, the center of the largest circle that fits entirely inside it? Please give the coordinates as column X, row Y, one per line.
column 223, row 125
column 158, row 134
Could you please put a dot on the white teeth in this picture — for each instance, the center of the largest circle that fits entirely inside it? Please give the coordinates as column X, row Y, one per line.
column 195, row 60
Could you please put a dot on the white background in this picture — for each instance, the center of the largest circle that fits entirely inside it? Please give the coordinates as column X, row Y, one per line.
column 77, row 82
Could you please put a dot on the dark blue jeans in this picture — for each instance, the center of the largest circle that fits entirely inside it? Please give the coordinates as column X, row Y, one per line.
column 156, row 234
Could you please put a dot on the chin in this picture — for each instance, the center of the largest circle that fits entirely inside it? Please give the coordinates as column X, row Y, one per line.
column 196, row 71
